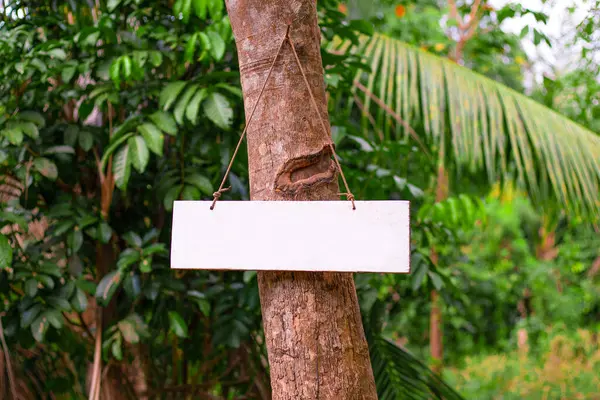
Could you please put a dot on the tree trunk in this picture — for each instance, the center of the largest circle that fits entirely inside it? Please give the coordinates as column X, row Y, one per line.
column 436, row 335
column 314, row 335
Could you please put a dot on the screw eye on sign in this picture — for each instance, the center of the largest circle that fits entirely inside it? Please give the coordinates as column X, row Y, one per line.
column 292, row 236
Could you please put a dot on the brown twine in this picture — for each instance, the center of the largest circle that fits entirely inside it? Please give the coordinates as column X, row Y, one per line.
column 348, row 193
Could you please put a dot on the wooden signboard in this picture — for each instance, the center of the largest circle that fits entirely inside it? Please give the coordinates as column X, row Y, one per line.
column 292, row 236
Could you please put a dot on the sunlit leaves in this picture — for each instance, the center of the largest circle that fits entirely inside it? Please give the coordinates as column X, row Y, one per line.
column 34, row 117
column 217, row 47
column 46, row 167
column 485, row 126
column 193, row 107
column 169, row 94
column 122, row 167
column 178, row 325
column 153, row 136
column 183, row 102
column 200, row 8
column 139, row 153
column 164, row 121
column 201, row 182
column 218, row 110
column 6, row 252
column 107, row 286
column 14, row 135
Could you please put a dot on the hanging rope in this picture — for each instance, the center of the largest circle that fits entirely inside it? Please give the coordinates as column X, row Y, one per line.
column 222, row 189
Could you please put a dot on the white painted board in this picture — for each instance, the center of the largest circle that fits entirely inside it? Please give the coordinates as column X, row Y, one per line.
column 292, row 236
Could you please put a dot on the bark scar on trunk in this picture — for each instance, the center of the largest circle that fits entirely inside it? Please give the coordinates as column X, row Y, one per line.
column 306, row 172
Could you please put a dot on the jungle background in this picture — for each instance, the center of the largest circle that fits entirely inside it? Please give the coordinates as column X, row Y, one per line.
column 111, row 110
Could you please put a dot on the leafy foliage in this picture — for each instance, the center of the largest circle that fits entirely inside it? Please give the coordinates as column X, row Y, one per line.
column 111, row 110
column 479, row 124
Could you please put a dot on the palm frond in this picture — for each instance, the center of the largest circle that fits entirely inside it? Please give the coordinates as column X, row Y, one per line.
column 477, row 123
column 400, row 375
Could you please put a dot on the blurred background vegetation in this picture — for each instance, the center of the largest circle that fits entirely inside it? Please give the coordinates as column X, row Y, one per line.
column 111, row 110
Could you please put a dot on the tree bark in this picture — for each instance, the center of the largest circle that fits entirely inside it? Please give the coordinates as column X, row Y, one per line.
column 436, row 335
column 314, row 335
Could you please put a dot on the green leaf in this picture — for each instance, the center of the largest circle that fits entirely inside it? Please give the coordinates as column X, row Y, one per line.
column 12, row 218
column 104, row 232
column 45, row 280
column 34, row 117
column 171, row 196
column 39, row 64
column 200, row 8
column 67, row 73
column 215, row 8
column 218, row 110
column 231, row 89
column 126, row 66
column 169, row 94
column 50, row 268
column 39, row 328
column 59, row 303
column 178, row 325
column 112, row 4
column 14, row 135
column 204, row 307
column 6, row 252
column 28, row 316
column 193, row 107
column 156, row 58
column 71, row 133
column 153, row 137
column 177, row 8
column 186, row 8
column 59, row 150
column 190, row 193
column 150, row 236
column 58, row 53
column 46, row 167
column 201, row 182
column 79, row 301
column 117, row 350
column 31, row 287
column 165, row 122
column 55, row 318
column 127, row 258
column 122, row 167
column 67, row 290
column 30, row 129
column 153, row 249
column 115, row 69
column 146, row 265
column 183, row 102
column 436, row 280
column 190, row 48
column 112, row 147
column 107, row 286
column 75, row 240
column 133, row 239
column 217, row 45
column 418, row 275
column 132, row 328
column 86, row 140
column 20, row 67
column 205, row 41
column 249, row 275
column 126, row 127
column 139, row 153
column 362, row 26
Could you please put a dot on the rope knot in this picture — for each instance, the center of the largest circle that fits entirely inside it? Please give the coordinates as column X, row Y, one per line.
column 350, row 197
column 217, row 196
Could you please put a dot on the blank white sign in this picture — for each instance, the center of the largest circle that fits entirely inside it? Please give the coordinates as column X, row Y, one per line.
column 292, row 236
